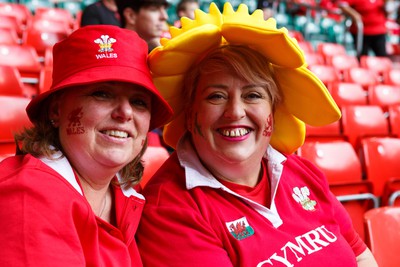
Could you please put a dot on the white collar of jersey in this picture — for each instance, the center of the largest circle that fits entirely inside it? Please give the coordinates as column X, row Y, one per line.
column 197, row 175
column 61, row 165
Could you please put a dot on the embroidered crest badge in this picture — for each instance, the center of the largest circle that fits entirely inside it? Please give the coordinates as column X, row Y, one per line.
column 302, row 196
column 105, row 43
column 240, row 229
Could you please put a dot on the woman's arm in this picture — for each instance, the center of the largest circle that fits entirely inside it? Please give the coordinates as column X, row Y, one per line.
column 366, row 259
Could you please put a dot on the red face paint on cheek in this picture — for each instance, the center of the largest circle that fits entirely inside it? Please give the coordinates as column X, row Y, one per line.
column 74, row 119
column 268, row 127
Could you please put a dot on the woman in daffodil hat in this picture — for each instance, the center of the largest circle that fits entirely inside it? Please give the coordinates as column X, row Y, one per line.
column 233, row 193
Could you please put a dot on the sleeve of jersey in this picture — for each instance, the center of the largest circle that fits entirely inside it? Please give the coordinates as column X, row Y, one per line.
column 340, row 214
column 37, row 228
column 172, row 232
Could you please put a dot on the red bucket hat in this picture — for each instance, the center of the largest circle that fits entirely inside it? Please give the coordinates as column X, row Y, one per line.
column 100, row 53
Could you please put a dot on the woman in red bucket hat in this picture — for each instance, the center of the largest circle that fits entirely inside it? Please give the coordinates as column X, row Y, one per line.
column 67, row 199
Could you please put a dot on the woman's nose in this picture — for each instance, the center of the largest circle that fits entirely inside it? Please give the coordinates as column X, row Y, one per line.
column 235, row 109
column 123, row 110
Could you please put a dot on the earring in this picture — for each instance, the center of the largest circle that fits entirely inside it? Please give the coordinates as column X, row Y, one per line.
column 53, row 123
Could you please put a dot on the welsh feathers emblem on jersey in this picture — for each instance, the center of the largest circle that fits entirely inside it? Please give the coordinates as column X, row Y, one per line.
column 302, row 196
column 240, row 228
column 105, row 43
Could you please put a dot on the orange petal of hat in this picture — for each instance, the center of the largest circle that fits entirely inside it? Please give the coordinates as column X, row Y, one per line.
column 306, row 99
column 101, row 53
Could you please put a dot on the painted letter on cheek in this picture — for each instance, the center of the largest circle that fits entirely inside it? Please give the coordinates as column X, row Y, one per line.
column 268, row 127
column 75, row 125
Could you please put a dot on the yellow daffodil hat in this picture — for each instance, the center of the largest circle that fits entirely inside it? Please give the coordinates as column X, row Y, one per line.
column 306, row 99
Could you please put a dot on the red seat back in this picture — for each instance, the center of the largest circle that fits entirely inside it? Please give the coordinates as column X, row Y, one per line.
column 380, row 160
column 383, row 235
column 360, row 121
column 384, row 95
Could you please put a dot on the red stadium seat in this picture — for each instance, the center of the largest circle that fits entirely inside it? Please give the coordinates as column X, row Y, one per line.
column 360, row 121
column 12, row 119
column 48, row 25
column 363, row 76
column 11, row 23
column 342, row 63
column 384, row 95
column 152, row 159
column 336, row 159
column 24, row 58
column 55, row 14
column 349, row 94
column 392, row 77
column 10, row 81
column 306, row 47
column 380, row 159
column 383, row 235
column 391, row 192
column 41, row 40
column 327, row 74
column 19, row 11
column 379, row 65
column 328, row 50
column 8, row 36
column 313, row 58
column 45, row 79
column 394, row 120
column 332, row 130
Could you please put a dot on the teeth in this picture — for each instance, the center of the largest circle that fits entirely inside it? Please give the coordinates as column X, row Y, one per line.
column 235, row 132
column 115, row 133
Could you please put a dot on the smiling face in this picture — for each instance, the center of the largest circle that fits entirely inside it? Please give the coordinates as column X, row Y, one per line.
column 231, row 120
column 230, row 97
column 102, row 126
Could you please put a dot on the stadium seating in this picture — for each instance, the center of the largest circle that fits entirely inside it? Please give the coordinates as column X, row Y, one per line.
column 313, row 58
column 343, row 63
column 8, row 36
column 19, row 11
column 331, row 131
column 392, row 77
column 348, row 94
column 328, row 50
column 41, row 40
column 11, row 121
column 380, row 160
column 383, row 235
column 360, row 121
column 391, row 192
column 11, row 23
column 362, row 76
column 379, row 65
column 55, row 14
column 47, row 25
column 152, row 160
column 10, row 81
column 327, row 74
column 24, row 57
column 394, row 120
column 384, row 95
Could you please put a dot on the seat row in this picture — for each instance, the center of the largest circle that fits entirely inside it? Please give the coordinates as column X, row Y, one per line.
column 361, row 181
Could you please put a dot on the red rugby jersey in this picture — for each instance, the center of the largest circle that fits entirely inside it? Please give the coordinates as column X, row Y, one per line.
column 190, row 219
